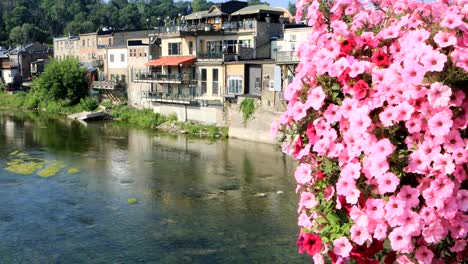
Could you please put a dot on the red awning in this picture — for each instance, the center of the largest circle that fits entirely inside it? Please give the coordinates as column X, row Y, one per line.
column 172, row 61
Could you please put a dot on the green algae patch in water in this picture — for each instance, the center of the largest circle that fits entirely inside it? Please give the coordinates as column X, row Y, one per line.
column 24, row 167
column 73, row 171
column 132, row 200
column 53, row 169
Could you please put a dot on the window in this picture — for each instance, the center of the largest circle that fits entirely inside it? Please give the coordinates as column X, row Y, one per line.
column 174, row 48
column 235, row 85
column 111, row 57
column 89, row 43
column 217, row 20
column 203, row 81
column 190, row 47
column 293, row 46
column 215, row 82
column 214, row 47
column 293, row 38
column 84, row 43
column 229, row 46
column 122, row 57
column 139, row 53
column 110, row 41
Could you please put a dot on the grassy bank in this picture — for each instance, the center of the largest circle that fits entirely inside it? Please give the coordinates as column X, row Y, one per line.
column 148, row 119
column 31, row 101
column 139, row 118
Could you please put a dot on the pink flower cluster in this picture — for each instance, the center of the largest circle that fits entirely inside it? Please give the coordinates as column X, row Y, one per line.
column 377, row 118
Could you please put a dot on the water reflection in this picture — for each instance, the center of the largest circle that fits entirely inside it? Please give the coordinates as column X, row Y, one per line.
column 198, row 200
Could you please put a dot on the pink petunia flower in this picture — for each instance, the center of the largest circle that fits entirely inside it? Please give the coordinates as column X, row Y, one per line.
column 424, row 255
column 410, row 195
column 439, row 95
column 388, row 182
column 345, row 186
column 303, row 174
column 342, row 247
column 359, row 234
column 440, row 123
column 445, row 39
column 400, row 241
column 315, row 98
column 380, row 231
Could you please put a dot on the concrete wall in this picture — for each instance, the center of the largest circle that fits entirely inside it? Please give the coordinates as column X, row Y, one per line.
column 257, row 129
column 205, row 115
column 137, row 93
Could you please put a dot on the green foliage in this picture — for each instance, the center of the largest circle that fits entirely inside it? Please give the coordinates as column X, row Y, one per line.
column 199, row 130
column 256, row 2
column 61, row 18
column 247, row 107
column 142, row 118
column 62, row 80
column 89, row 103
column 292, row 8
column 172, row 118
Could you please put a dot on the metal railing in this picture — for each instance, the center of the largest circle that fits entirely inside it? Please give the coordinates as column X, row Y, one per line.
column 239, row 25
column 159, row 77
column 286, row 56
column 104, row 85
column 209, row 55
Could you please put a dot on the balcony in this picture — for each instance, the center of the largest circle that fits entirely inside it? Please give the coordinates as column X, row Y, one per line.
column 209, row 55
column 106, row 85
column 154, row 77
column 243, row 53
column 239, row 25
column 286, row 57
column 188, row 98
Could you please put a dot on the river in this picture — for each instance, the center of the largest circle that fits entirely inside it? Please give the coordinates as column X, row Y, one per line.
column 198, row 201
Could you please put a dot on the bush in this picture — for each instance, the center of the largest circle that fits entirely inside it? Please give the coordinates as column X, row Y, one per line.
column 142, row 118
column 89, row 103
column 62, row 80
column 172, row 118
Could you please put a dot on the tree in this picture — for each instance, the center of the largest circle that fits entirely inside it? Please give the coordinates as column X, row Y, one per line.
column 62, row 80
column 292, row 8
column 256, row 2
column 200, row 5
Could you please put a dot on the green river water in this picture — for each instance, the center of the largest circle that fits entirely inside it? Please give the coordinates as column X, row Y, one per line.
column 67, row 195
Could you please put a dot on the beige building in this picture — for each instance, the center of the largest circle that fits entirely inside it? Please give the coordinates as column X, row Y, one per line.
column 88, row 47
column 66, row 47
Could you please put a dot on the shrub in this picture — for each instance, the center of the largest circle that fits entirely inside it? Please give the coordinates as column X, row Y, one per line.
column 62, row 80
column 377, row 119
column 89, row 103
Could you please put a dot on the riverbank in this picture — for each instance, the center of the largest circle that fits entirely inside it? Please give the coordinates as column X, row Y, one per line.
column 139, row 118
column 148, row 119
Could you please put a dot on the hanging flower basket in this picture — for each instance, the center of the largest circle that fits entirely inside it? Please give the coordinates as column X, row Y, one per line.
column 377, row 119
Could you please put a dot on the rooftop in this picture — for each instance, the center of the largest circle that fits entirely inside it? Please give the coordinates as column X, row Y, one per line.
column 258, row 9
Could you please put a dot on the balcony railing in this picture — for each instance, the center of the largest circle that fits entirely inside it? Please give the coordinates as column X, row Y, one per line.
column 209, row 55
column 239, row 25
column 206, row 27
column 145, row 76
column 107, row 85
column 286, row 57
